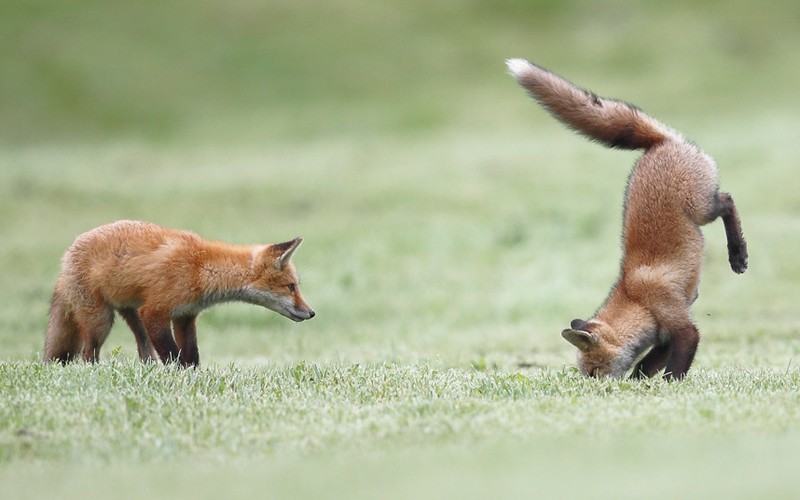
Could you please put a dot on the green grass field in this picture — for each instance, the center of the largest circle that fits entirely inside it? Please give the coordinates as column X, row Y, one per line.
column 452, row 229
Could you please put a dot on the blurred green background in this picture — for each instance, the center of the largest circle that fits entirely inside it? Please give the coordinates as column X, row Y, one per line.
column 255, row 71
column 445, row 214
column 448, row 220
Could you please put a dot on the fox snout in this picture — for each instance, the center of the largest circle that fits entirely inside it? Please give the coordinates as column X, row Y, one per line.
column 304, row 315
column 300, row 311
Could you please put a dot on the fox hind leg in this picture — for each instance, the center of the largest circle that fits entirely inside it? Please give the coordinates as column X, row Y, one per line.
column 737, row 246
column 94, row 324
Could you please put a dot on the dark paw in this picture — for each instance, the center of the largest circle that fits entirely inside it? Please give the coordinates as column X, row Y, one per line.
column 738, row 259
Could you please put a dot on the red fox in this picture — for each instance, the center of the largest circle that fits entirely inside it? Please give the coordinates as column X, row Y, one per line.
column 672, row 191
column 152, row 276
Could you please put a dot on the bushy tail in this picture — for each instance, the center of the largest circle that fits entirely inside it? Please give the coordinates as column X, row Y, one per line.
column 614, row 123
column 62, row 341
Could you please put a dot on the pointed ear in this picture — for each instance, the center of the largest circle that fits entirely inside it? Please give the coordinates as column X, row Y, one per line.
column 578, row 324
column 284, row 251
column 581, row 339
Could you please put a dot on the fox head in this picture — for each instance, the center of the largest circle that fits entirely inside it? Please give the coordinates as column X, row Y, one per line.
column 275, row 284
column 597, row 357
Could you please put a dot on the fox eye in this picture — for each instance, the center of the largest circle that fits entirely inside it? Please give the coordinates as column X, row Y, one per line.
column 292, row 287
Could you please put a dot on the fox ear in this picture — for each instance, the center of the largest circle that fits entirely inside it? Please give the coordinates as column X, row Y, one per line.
column 284, row 251
column 581, row 339
column 577, row 324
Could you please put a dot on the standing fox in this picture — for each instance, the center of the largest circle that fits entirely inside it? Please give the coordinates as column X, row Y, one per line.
column 152, row 276
column 671, row 192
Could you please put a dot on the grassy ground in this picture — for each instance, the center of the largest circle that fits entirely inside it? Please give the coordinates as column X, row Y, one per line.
column 452, row 230
column 394, row 430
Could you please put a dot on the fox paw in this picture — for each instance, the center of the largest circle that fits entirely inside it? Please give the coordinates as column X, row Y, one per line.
column 738, row 259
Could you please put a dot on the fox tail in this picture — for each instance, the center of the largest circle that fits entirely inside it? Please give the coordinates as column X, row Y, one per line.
column 62, row 341
column 614, row 123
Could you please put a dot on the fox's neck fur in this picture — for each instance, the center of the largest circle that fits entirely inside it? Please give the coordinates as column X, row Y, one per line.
column 225, row 274
column 226, row 268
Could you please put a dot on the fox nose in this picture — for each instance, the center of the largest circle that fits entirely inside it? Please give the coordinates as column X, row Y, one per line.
column 311, row 314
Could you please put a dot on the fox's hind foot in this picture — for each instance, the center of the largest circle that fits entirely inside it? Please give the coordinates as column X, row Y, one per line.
column 737, row 256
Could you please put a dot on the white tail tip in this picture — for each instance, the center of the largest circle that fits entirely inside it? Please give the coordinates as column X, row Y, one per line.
column 518, row 67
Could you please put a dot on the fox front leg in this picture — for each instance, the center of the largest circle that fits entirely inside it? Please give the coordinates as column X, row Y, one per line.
column 186, row 338
column 653, row 361
column 146, row 350
column 156, row 323
column 683, row 340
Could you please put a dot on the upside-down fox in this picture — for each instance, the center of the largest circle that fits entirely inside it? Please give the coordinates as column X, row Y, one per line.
column 153, row 276
column 672, row 191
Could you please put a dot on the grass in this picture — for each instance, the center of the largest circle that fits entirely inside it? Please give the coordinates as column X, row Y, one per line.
column 129, row 411
column 452, row 229
column 306, row 428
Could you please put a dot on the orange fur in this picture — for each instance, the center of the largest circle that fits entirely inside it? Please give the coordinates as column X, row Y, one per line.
column 672, row 191
column 154, row 276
